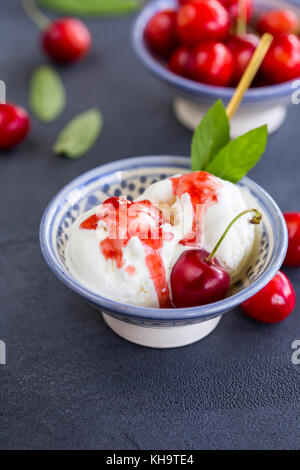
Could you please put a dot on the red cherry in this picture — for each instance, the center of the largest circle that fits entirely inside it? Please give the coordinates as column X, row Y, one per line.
column 160, row 32
column 14, row 125
column 293, row 225
column 179, row 61
column 195, row 281
column 274, row 302
column 202, row 20
column 277, row 22
column 197, row 278
column 282, row 62
column 212, row 63
column 242, row 48
column 66, row 40
column 232, row 6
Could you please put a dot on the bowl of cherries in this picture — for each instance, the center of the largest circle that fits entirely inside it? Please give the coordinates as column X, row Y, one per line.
column 201, row 49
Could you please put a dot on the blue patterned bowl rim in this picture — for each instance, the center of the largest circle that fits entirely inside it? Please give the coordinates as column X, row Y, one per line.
column 217, row 308
column 189, row 87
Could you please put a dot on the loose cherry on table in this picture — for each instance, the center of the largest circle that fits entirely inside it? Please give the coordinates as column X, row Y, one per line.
column 274, row 302
column 66, row 40
column 282, row 62
column 278, row 21
column 293, row 225
column 202, row 20
column 160, row 32
column 242, row 47
column 211, row 63
column 14, row 125
column 197, row 277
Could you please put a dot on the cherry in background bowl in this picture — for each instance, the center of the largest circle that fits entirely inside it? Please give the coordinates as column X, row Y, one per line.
column 261, row 104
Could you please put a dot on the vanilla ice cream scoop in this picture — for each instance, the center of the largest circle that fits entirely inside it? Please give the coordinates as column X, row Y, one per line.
column 126, row 251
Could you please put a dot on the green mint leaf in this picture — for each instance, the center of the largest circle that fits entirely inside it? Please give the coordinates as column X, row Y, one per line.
column 240, row 155
column 47, row 97
column 91, row 7
column 212, row 134
column 79, row 135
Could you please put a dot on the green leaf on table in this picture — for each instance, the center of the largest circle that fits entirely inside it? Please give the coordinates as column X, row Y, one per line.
column 210, row 137
column 240, row 155
column 79, row 135
column 91, row 7
column 47, row 95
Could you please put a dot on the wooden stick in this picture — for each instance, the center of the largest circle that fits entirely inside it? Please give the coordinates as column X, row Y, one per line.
column 242, row 18
column 249, row 74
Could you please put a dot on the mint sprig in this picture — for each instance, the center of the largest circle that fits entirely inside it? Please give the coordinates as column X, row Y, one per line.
column 79, row 135
column 47, row 96
column 213, row 151
column 240, row 155
column 210, row 137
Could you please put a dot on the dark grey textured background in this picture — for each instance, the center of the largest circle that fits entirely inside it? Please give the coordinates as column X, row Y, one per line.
column 69, row 381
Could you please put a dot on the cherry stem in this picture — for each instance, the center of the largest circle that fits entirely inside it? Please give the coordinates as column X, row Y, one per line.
column 256, row 219
column 35, row 14
column 241, row 27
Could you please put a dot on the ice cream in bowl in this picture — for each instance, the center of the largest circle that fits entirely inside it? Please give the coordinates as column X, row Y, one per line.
column 115, row 234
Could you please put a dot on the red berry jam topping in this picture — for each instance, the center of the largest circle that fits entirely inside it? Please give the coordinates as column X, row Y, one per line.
column 202, row 189
column 123, row 220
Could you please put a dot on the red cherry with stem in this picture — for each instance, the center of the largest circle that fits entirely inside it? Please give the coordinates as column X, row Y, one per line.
column 293, row 225
column 274, row 302
column 233, row 8
column 242, row 48
column 160, row 32
column 202, row 20
column 212, row 63
column 278, row 21
column 179, row 61
column 195, row 281
column 64, row 40
column 197, row 278
column 282, row 62
column 14, row 125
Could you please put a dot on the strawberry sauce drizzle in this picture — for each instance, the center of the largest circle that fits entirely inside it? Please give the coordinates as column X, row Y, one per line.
column 90, row 223
column 121, row 219
column 202, row 189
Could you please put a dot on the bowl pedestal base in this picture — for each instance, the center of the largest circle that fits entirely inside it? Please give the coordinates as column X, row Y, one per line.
column 161, row 337
column 189, row 113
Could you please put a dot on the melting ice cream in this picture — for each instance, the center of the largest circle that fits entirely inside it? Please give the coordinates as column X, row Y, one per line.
column 126, row 250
